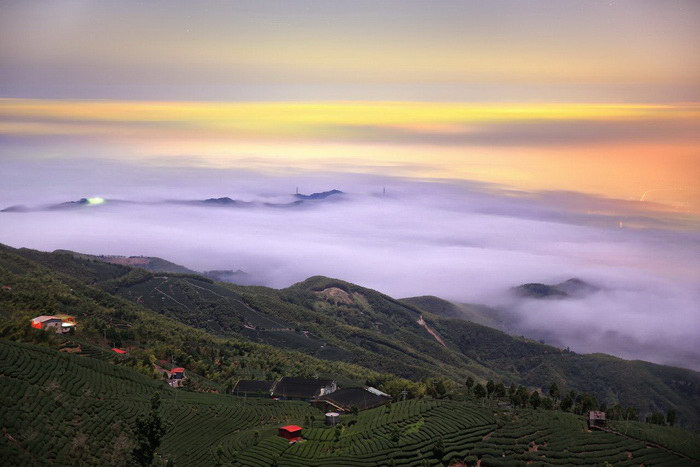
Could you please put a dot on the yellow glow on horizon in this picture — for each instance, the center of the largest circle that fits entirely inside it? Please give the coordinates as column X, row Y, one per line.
column 336, row 136
column 331, row 113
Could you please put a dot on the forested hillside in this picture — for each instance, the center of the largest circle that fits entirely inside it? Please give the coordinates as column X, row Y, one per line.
column 318, row 327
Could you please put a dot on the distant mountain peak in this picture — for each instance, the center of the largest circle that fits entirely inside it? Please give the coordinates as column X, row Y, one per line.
column 573, row 287
column 321, row 195
column 221, row 201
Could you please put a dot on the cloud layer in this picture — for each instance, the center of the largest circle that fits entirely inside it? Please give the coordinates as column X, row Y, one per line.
column 463, row 241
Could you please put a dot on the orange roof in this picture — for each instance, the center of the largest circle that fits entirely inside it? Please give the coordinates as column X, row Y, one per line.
column 42, row 318
column 118, row 350
column 291, row 428
column 177, row 370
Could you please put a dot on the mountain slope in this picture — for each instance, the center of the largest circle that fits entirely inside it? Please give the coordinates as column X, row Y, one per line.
column 63, row 284
column 346, row 329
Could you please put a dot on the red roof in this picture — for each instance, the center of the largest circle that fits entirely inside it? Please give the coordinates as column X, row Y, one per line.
column 118, row 350
column 177, row 370
column 290, row 428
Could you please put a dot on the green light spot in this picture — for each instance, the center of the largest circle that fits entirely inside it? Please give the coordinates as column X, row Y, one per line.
column 93, row 201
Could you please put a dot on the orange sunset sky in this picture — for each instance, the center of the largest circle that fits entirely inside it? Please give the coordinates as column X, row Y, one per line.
column 598, row 97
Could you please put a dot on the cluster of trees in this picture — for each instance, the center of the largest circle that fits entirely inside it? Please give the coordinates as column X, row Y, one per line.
column 658, row 418
column 578, row 403
column 401, row 389
column 517, row 396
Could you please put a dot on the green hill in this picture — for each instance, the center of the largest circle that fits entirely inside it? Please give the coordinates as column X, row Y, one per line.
column 319, row 327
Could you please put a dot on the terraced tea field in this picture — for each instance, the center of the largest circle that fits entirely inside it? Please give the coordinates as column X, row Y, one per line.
column 429, row 432
column 65, row 409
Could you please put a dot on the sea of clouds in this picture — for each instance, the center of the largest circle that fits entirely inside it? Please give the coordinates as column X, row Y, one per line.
column 467, row 242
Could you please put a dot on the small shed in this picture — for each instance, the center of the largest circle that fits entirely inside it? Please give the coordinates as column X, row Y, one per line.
column 292, row 433
column 176, row 377
column 596, row 419
column 119, row 351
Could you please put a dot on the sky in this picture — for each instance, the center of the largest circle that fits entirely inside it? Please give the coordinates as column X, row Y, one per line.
column 543, row 138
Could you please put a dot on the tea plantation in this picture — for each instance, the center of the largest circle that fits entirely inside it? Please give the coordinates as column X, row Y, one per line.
column 64, row 409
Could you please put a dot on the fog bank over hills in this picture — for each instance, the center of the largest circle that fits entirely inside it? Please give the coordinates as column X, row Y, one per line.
column 466, row 242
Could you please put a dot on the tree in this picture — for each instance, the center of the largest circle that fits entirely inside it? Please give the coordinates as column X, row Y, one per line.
column 547, row 403
column 535, row 399
column 671, row 417
column 554, row 391
column 469, row 383
column 490, row 386
column 566, row 403
column 500, row 390
column 149, row 431
column 587, row 403
column 479, row 391
column 522, row 396
column 657, row 418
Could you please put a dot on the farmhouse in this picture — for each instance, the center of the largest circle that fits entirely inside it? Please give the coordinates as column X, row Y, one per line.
column 48, row 322
column 292, row 433
column 303, row 388
column 345, row 400
column 176, row 377
column 254, row 388
column 596, row 419
column 61, row 324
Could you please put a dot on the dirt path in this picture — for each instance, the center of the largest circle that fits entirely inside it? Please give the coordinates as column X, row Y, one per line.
column 156, row 289
column 431, row 331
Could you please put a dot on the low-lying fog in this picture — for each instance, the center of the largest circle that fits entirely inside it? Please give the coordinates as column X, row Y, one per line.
column 461, row 241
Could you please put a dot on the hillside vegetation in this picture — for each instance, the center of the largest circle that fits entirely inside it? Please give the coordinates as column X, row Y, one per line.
column 65, row 409
column 320, row 326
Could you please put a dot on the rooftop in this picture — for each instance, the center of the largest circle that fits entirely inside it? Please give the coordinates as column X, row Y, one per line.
column 301, row 387
column 348, row 398
column 42, row 318
column 254, row 386
column 291, row 428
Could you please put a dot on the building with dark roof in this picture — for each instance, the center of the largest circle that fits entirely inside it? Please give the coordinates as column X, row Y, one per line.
column 303, row 388
column 254, row 388
column 344, row 400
